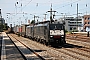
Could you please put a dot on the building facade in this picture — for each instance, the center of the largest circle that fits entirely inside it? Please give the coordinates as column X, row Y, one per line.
column 72, row 23
column 86, row 22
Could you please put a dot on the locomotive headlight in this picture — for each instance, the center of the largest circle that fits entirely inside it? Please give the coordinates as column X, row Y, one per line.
column 62, row 36
column 51, row 36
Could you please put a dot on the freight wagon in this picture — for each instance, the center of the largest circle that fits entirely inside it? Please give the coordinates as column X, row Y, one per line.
column 23, row 30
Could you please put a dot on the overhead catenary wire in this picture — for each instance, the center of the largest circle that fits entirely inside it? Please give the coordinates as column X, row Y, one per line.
column 68, row 4
column 86, row 6
column 71, row 4
column 27, row 4
column 22, row 7
column 56, row 8
column 49, row 3
column 84, row 9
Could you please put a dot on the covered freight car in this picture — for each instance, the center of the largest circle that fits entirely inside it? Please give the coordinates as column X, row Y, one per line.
column 30, row 31
column 17, row 29
column 10, row 30
column 23, row 30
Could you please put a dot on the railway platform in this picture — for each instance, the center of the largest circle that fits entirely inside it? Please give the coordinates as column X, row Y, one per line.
column 7, row 49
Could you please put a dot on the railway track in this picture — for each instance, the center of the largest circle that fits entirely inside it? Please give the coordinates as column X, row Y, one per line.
column 75, row 51
column 77, row 36
column 78, row 39
column 27, row 49
column 74, row 54
column 65, row 52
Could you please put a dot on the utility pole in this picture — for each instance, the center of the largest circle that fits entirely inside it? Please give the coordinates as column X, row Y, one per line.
column 0, row 13
column 35, row 17
column 51, row 14
column 86, row 9
column 21, row 5
column 54, row 14
column 77, row 16
column 45, row 16
column 1, row 21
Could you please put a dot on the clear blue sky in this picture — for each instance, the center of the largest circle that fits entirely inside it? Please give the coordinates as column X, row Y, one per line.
column 40, row 7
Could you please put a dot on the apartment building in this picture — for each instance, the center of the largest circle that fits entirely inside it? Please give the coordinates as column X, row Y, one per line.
column 72, row 23
column 86, row 22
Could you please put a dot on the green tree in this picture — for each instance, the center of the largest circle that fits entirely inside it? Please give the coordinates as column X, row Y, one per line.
column 5, row 27
column 1, row 27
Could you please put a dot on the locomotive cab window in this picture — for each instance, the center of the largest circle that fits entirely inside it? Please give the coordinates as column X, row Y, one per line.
column 56, row 27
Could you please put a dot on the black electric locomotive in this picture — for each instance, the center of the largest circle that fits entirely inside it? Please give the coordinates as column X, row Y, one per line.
column 47, row 33
column 56, row 34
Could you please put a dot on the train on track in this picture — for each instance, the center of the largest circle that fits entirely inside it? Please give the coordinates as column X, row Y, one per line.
column 44, row 32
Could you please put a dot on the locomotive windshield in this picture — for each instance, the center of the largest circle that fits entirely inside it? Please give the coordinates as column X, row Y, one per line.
column 56, row 27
